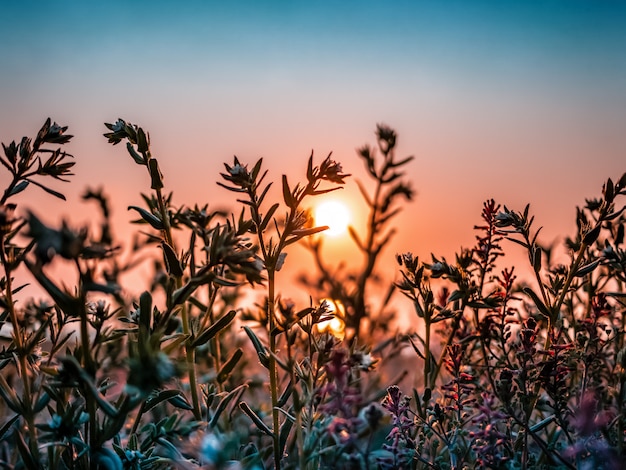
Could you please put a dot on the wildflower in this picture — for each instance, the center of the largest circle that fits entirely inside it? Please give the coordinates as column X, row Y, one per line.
column 56, row 130
column 121, row 130
column 118, row 126
column 437, row 269
column 238, row 170
column 402, row 445
column 239, row 175
column 364, row 361
column 489, row 442
column 99, row 308
column 331, row 170
column 506, row 219
column 64, row 427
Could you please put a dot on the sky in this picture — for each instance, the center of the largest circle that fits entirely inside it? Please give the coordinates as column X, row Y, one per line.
column 523, row 102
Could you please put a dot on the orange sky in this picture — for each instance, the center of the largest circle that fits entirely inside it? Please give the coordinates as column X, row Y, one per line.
column 520, row 101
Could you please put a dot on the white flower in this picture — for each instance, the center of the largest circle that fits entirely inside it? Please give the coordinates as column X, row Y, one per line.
column 237, row 170
column 119, row 126
column 367, row 361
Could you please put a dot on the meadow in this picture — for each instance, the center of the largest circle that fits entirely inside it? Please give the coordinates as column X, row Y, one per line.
column 514, row 373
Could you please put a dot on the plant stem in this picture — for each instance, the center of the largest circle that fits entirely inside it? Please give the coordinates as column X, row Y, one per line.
column 297, row 406
column 88, row 362
column 568, row 282
column 370, row 261
column 427, row 354
column 189, row 351
column 271, row 300
column 23, row 362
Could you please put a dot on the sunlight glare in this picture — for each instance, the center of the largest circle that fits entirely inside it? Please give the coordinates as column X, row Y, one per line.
column 335, row 326
column 335, row 215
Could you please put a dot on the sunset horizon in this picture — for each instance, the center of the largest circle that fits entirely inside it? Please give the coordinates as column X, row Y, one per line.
column 313, row 235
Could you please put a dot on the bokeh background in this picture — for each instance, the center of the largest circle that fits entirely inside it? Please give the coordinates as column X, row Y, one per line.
column 524, row 102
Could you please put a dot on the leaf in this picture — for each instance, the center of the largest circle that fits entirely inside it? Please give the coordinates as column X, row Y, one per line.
column 145, row 310
column 27, row 458
column 401, row 162
column 4, row 429
column 173, row 396
column 43, row 401
column 538, row 302
column 255, row 418
column 355, row 237
column 10, row 397
column 149, row 217
column 285, row 429
column 181, row 295
column 222, row 281
column 418, row 403
column 174, row 345
column 142, row 141
column 214, row 329
column 615, row 214
column 268, row 217
column 48, row 190
column 305, row 232
column 231, row 188
column 156, row 178
column 260, row 349
column 542, row 424
column 586, row 269
column 172, row 263
column 139, row 160
column 280, row 261
column 224, row 403
column 256, row 169
column 263, row 193
column 287, row 196
column 609, row 191
column 68, row 304
column 59, row 344
column 289, row 416
column 364, row 193
column 282, row 400
column 456, row 295
column 415, row 348
column 617, row 295
column 519, row 242
column 536, row 258
column 19, row 187
column 228, row 367
column 179, row 401
column 592, row 235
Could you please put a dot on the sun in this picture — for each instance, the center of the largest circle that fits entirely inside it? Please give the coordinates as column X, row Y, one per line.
column 335, row 215
column 336, row 325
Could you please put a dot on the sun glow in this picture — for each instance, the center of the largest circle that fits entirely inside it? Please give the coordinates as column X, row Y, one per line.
column 335, row 215
column 336, row 325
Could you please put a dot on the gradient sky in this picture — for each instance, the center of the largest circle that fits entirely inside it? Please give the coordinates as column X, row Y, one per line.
column 523, row 101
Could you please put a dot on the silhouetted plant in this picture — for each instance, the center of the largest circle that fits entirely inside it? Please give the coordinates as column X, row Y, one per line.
column 190, row 374
column 352, row 287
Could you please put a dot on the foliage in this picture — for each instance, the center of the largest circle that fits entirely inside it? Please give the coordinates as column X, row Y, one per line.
column 191, row 374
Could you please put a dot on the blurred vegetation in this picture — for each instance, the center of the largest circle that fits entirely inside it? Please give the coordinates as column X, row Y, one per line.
column 193, row 374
